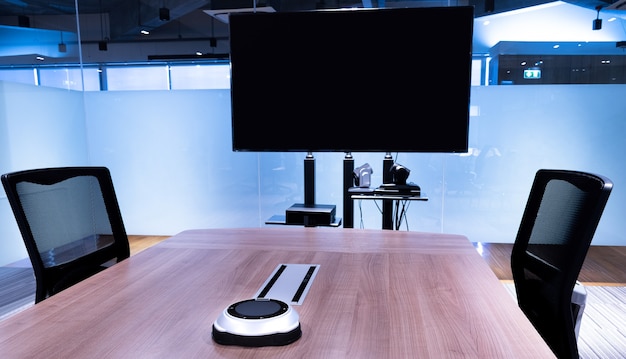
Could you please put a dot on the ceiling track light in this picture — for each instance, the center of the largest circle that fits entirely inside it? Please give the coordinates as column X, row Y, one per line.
column 597, row 23
column 164, row 14
column 62, row 46
column 103, row 43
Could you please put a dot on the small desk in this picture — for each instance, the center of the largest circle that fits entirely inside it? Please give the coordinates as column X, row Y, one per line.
column 388, row 215
column 378, row 294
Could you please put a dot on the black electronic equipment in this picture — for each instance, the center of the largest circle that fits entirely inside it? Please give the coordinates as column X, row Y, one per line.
column 256, row 323
column 597, row 24
column 405, row 189
column 399, row 174
column 311, row 215
column 310, row 81
column 363, row 176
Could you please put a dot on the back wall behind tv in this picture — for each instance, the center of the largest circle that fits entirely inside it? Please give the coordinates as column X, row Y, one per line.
column 173, row 167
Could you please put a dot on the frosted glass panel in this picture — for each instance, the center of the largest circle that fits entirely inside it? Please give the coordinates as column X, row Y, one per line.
column 25, row 76
column 476, row 72
column 170, row 157
column 172, row 162
column 91, row 79
column 200, row 77
column 137, row 78
column 519, row 131
column 64, row 78
column 44, row 126
column 39, row 127
column 175, row 167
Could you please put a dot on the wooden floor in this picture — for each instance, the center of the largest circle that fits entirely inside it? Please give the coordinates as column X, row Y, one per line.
column 604, row 265
column 139, row 243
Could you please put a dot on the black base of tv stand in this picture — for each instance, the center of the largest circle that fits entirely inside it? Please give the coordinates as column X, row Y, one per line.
column 308, row 215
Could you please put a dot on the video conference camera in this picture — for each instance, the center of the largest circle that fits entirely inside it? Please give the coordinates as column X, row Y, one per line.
column 363, row 176
column 399, row 174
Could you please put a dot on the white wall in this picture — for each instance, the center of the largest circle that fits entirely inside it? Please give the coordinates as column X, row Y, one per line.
column 173, row 168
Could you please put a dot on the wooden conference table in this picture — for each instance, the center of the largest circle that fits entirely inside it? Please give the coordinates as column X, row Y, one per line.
column 377, row 294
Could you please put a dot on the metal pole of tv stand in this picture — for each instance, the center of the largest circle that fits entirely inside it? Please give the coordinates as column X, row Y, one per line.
column 309, row 180
column 308, row 213
column 387, row 203
column 348, row 203
column 313, row 214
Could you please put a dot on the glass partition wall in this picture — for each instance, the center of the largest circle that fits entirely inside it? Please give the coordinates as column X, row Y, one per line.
column 158, row 115
column 39, row 125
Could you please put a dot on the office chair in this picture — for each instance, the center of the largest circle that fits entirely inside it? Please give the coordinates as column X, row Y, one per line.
column 558, row 224
column 70, row 222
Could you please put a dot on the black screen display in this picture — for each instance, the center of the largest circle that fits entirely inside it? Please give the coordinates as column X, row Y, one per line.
column 364, row 80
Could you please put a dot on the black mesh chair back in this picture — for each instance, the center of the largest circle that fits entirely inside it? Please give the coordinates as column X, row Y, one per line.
column 558, row 224
column 70, row 222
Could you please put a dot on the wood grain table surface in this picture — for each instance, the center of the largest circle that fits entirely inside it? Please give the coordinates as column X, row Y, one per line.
column 377, row 294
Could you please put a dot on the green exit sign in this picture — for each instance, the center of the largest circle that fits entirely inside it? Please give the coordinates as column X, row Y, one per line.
column 532, row 74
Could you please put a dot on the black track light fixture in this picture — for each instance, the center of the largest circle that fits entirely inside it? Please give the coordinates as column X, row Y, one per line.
column 597, row 23
column 164, row 14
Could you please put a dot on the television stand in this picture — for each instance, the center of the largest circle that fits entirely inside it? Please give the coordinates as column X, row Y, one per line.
column 308, row 214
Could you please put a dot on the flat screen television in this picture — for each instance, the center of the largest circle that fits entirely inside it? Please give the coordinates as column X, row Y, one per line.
column 351, row 80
